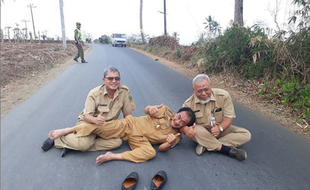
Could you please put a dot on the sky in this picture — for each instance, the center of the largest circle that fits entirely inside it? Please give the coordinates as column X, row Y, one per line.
column 99, row 17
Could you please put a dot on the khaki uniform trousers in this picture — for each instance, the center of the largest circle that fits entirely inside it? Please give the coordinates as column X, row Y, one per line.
column 233, row 136
column 80, row 52
column 89, row 143
column 127, row 129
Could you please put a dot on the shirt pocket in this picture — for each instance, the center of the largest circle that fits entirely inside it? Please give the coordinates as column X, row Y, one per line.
column 199, row 117
column 103, row 108
column 218, row 116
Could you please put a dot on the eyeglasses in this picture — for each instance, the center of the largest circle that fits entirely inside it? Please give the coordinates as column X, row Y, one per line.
column 181, row 120
column 113, row 78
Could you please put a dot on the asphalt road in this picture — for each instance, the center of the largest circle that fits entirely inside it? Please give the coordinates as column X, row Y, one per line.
column 277, row 157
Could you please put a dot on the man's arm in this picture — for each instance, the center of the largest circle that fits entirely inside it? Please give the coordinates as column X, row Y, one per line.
column 99, row 120
column 189, row 131
column 215, row 130
column 171, row 140
column 150, row 110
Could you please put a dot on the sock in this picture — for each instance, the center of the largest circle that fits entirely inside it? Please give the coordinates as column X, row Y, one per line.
column 225, row 150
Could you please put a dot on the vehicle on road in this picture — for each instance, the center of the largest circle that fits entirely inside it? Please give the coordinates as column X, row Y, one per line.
column 119, row 40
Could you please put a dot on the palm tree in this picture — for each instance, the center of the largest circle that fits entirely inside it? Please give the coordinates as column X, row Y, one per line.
column 8, row 28
column 238, row 12
column 212, row 26
column 1, row 35
column 141, row 23
column 176, row 35
column 209, row 23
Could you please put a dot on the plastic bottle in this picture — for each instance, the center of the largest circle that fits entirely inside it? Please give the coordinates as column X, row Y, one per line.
column 212, row 121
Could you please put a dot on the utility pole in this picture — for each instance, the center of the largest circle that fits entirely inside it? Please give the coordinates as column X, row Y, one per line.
column 24, row 20
column 34, row 30
column 64, row 43
column 165, row 22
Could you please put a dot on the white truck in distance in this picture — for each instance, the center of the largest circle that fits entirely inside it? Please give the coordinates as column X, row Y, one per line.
column 119, row 40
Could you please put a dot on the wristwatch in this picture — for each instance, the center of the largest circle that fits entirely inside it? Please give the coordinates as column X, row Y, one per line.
column 221, row 128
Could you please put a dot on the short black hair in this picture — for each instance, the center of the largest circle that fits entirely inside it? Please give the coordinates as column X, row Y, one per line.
column 190, row 113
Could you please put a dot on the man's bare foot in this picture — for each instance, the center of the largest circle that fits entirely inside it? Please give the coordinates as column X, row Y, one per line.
column 55, row 134
column 104, row 158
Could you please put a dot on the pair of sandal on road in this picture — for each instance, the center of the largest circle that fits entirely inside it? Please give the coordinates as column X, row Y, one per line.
column 157, row 182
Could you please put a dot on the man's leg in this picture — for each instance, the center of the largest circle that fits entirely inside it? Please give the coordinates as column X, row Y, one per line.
column 235, row 136
column 204, row 138
column 81, row 52
column 54, row 134
column 141, row 150
column 109, row 130
column 78, row 53
column 108, row 157
column 207, row 141
column 105, row 144
column 72, row 142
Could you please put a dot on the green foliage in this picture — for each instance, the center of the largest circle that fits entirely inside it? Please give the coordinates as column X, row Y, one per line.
column 178, row 53
column 57, row 48
column 105, row 39
column 212, row 26
column 235, row 50
column 290, row 93
column 302, row 13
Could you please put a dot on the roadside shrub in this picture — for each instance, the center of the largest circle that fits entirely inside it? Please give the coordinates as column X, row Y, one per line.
column 240, row 49
column 178, row 53
column 57, row 48
column 163, row 41
column 290, row 93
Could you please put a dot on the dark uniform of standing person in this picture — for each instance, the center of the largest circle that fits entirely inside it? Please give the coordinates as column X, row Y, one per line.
column 213, row 130
column 79, row 43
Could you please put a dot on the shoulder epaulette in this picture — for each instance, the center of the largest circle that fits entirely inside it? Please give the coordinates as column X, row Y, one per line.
column 124, row 87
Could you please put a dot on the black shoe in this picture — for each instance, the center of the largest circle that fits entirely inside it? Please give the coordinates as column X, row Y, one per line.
column 239, row 154
column 75, row 59
column 65, row 151
column 130, row 181
column 47, row 144
column 84, row 61
column 159, row 180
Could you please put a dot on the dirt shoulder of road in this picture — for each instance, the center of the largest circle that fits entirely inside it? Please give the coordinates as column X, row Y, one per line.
column 21, row 88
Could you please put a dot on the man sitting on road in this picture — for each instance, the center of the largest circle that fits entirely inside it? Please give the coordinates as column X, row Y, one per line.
column 219, row 134
column 103, row 103
column 161, row 126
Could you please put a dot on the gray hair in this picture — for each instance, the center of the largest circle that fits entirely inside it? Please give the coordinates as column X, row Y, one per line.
column 200, row 77
column 110, row 68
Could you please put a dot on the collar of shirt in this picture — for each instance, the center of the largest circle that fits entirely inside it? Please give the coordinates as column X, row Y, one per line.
column 105, row 92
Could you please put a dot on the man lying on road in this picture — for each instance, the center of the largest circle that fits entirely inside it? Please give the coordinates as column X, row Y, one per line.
column 160, row 126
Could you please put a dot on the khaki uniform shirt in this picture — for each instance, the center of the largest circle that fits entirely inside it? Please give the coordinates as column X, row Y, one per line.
column 157, row 127
column 220, row 106
column 98, row 100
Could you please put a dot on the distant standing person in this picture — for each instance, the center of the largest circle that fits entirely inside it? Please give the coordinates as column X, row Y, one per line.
column 79, row 43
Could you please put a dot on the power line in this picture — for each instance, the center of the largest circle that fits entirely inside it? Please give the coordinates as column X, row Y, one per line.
column 189, row 12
